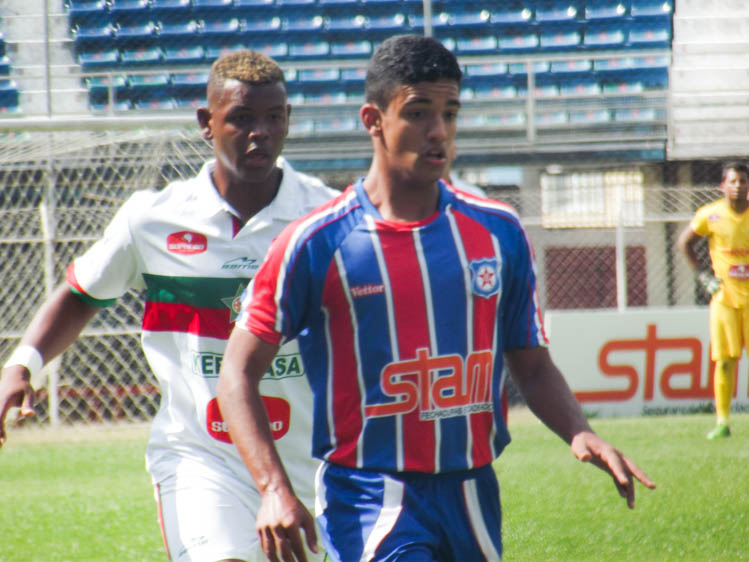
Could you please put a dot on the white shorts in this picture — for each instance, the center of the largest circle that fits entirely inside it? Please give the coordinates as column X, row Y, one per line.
column 207, row 517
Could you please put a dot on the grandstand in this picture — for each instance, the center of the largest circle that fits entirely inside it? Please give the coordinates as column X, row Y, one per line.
column 602, row 121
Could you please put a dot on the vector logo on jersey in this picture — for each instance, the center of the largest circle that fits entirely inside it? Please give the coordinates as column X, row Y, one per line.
column 186, row 242
column 279, row 416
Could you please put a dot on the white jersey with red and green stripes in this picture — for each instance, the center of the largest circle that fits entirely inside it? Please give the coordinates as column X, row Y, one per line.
column 186, row 249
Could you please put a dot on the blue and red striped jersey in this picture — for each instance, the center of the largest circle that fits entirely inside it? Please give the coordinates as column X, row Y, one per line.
column 402, row 327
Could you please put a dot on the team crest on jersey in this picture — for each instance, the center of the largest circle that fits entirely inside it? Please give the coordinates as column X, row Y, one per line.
column 186, row 242
column 484, row 277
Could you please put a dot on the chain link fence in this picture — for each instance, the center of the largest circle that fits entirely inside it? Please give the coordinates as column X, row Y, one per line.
column 604, row 236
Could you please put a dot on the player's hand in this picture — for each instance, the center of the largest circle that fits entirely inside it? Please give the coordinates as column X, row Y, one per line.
column 588, row 447
column 279, row 519
column 15, row 391
column 709, row 282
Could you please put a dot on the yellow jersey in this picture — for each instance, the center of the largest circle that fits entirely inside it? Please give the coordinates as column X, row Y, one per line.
column 727, row 233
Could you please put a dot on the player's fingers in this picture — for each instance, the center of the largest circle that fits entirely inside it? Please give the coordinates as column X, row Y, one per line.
column 638, row 473
column 296, row 546
column 268, row 544
column 27, row 406
column 288, row 543
column 581, row 451
column 310, row 534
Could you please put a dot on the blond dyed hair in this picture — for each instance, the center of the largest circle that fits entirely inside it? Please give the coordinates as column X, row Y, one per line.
column 246, row 66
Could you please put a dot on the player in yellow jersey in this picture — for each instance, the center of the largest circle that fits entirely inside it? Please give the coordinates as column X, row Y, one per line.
column 725, row 223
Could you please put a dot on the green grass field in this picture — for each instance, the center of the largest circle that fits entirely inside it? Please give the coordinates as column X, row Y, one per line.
column 80, row 494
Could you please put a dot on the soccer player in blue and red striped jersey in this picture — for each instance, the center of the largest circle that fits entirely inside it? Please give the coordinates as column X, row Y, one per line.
column 405, row 296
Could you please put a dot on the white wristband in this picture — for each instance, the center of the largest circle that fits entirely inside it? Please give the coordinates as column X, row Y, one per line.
column 27, row 356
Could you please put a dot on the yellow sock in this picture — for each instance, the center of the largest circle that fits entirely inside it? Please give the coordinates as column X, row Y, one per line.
column 723, row 388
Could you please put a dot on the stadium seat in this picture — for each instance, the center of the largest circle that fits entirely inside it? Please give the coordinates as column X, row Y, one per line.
column 152, row 55
column 591, row 116
column 622, row 87
column 128, row 12
column 310, row 49
column 9, row 95
column 628, row 115
column 345, row 24
column 337, row 125
column 178, row 35
column 465, row 18
column 494, row 92
column 155, row 104
column 99, row 88
column 260, row 26
column 141, row 34
column 184, row 55
column 301, row 127
column 343, row 4
column 219, row 28
column 4, row 65
column 612, row 65
column 514, row 14
column 519, row 68
column 580, row 87
column 87, row 13
column 651, row 8
column 604, row 36
column 93, row 38
column 477, row 45
column 572, row 66
column 219, row 48
column 212, row 9
column 188, row 89
column 557, row 11
column 353, row 76
column 148, row 87
column 657, row 34
column 170, row 11
column 560, row 40
column 318, row 76
column 300, row 26
column 490, row 71
column 351, row 49
column 335, row 97
column 546, row 90
column 375, row 4
column 295, row 3
column 546, row 118
column 119, row 106
column 189, row 103
column 439, row 21
column 518, row 42
column 650, row 62
column 596, row 10
column 275, row 50
column 389, row 23
column 99, row 59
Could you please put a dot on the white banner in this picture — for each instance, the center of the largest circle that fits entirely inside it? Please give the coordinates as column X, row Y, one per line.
column 649, row 361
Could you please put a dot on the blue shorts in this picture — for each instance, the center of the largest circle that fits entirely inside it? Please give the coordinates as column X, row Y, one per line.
column 409, row 516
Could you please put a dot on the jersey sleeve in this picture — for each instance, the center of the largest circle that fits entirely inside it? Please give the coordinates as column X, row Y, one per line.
column 110, row 266
column 275, row 301
column 699, row 222
column 522, row 319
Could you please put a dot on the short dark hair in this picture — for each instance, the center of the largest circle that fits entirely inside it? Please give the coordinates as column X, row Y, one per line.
column 738, row 166
column 246, row 66
column 406, row 60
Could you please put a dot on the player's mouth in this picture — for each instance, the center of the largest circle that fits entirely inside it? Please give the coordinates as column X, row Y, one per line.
column 257, row 156
column 436, row 156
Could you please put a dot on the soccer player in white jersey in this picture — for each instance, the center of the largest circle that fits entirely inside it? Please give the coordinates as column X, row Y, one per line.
column 193, row 247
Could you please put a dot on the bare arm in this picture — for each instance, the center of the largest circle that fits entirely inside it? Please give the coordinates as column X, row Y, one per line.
column 281, row 514
column 56, row 325
column 687, row 242
column 549, row 397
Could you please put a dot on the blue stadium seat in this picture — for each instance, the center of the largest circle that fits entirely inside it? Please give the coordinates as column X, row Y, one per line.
column 332, row 97
column 467, row 18
column 361, row 49
column 344, row 4
column 301, row 127
column 518, row 42
column 170, row 11
column 546, row 90
column 128, row 12
column 626, row 87
column 194, row 54
column 550, row 118
column 212, row 9
column 656, row 34
column 188, row 89
column 612, row 65
column 273, row 49
column 300, row 26
column 337, row 125
column 495, row 92
column 590, row 117
column 254, row 4
column 191, row 80
column 155, row 104
column 99, row 88
column 650, row 62
column 597, row 10
column 148, row 86
column 220, row 48
column 178, row 35
column 439, row 21
column 604, row 36
column 567, row 39
column 477, row 45
column 88, row 13
column 260, row 26
column 119, row 106
column 138, row 56
column 572, row 66
column 580, row 87
column 99, row 59
column 513, row 14
column 519, row 68
column 9, row 97
column 629, row 115
column 353, row 76
column 390, row 23
column 295, row 3
column 189, row 103
column 4, row 65
column 141, row 34
column 651, row 8
column 93, row 38
column 490, row 71
column 557, row 11
column 380, row 3
column 345, row 23
column 318, row 76
column 219, row 28
column 309, row 49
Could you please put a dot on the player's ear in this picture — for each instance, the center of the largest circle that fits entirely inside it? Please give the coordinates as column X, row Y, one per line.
column 204, row 120
column 371, row 118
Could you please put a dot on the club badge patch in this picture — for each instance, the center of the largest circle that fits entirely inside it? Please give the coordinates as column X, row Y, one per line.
column 484, row 277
